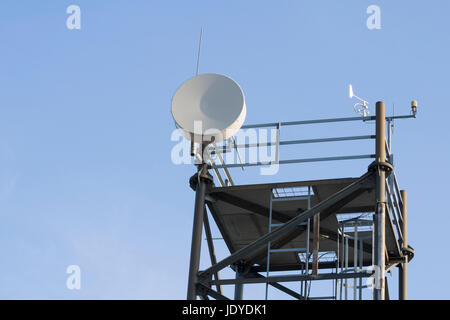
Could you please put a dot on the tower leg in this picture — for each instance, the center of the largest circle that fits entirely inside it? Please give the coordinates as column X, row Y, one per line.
column 239, row 287
column 199, row 181
column 403, row 270
column 380, row 213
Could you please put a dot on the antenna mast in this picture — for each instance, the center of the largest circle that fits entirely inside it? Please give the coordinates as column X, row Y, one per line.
column 199, row 48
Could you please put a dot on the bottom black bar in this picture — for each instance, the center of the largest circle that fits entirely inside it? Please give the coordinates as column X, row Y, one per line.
column 233, row 310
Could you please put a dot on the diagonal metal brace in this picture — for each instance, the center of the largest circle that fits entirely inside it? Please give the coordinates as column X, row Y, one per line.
column 289, row 226
column 203, row 290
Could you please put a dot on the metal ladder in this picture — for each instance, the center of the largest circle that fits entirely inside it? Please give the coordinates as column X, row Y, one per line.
column 305, row 251
column 343, row 264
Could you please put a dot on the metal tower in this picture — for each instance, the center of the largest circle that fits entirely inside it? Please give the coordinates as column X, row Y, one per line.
column 344, row 230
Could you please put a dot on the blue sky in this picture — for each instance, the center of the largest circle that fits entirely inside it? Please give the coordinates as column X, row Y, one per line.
column 86, row 176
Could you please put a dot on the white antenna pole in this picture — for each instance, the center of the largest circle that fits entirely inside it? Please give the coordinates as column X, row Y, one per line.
column 193, row 149
column 199, row 48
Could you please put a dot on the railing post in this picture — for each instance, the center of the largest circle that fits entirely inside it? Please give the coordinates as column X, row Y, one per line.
column 403, row 270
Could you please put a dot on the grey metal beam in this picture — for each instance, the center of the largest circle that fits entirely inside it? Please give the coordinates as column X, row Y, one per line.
column 316, row 244
column 295, row 123
column 361, row 223
column 293, row 278
column 322, row 298
column 298, row 267
column 386, row 289
column 397, row 188
column 236, row 165
column 239, row 287
column 357, row 209
column 391, row 242
column 219, row 177
column 202, row 290
column 224, row 149
column 276, row 285
column 291, row 267
column 209, row 240
column 380, row 214
column 288, row 226
column 403, row 270
column 225, row 170
column 291, row 184
column 394, row 213
column 199, row 211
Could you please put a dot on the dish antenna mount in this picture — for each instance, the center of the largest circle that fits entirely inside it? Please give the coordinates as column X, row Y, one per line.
column 208, row 108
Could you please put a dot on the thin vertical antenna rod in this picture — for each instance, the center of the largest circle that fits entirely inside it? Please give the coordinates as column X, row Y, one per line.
column 393, row 115
column 193, row 149
column 199, row 48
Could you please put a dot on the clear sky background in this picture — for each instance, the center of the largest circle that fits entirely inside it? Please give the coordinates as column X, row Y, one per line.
column 86, row 176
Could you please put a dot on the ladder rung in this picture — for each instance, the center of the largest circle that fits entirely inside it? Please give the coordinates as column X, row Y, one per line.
column 292, row 198
column 277, row 224
column 321, row 298
column 349, row 286
column 289, row 250
column 282, row 224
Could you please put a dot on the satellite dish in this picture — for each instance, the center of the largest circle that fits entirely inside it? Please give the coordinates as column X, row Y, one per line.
column 209, row 107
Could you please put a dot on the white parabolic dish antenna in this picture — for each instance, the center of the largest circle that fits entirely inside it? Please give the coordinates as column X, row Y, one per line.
column 209, row 107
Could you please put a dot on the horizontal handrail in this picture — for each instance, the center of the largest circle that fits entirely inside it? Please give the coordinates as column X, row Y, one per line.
column 296, row 123
column 365, row 156
column 226, row 148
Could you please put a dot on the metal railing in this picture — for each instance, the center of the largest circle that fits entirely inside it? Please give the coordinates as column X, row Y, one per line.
column 230, row 145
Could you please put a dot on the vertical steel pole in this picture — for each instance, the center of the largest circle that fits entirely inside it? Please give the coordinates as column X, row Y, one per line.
column 389, row 135
column 212, row 254
column 302, row 272
column 346, row 267
column 307, row 235
column 316, row 244
column 308, row 227
column 342, row 257
column 403, row 270
column 268, row 244
column 355, row 257
column 373, row 252
column 337, row 265
column 360, row 267
column 196, row 243
column 380, row 214
column 238, row 287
